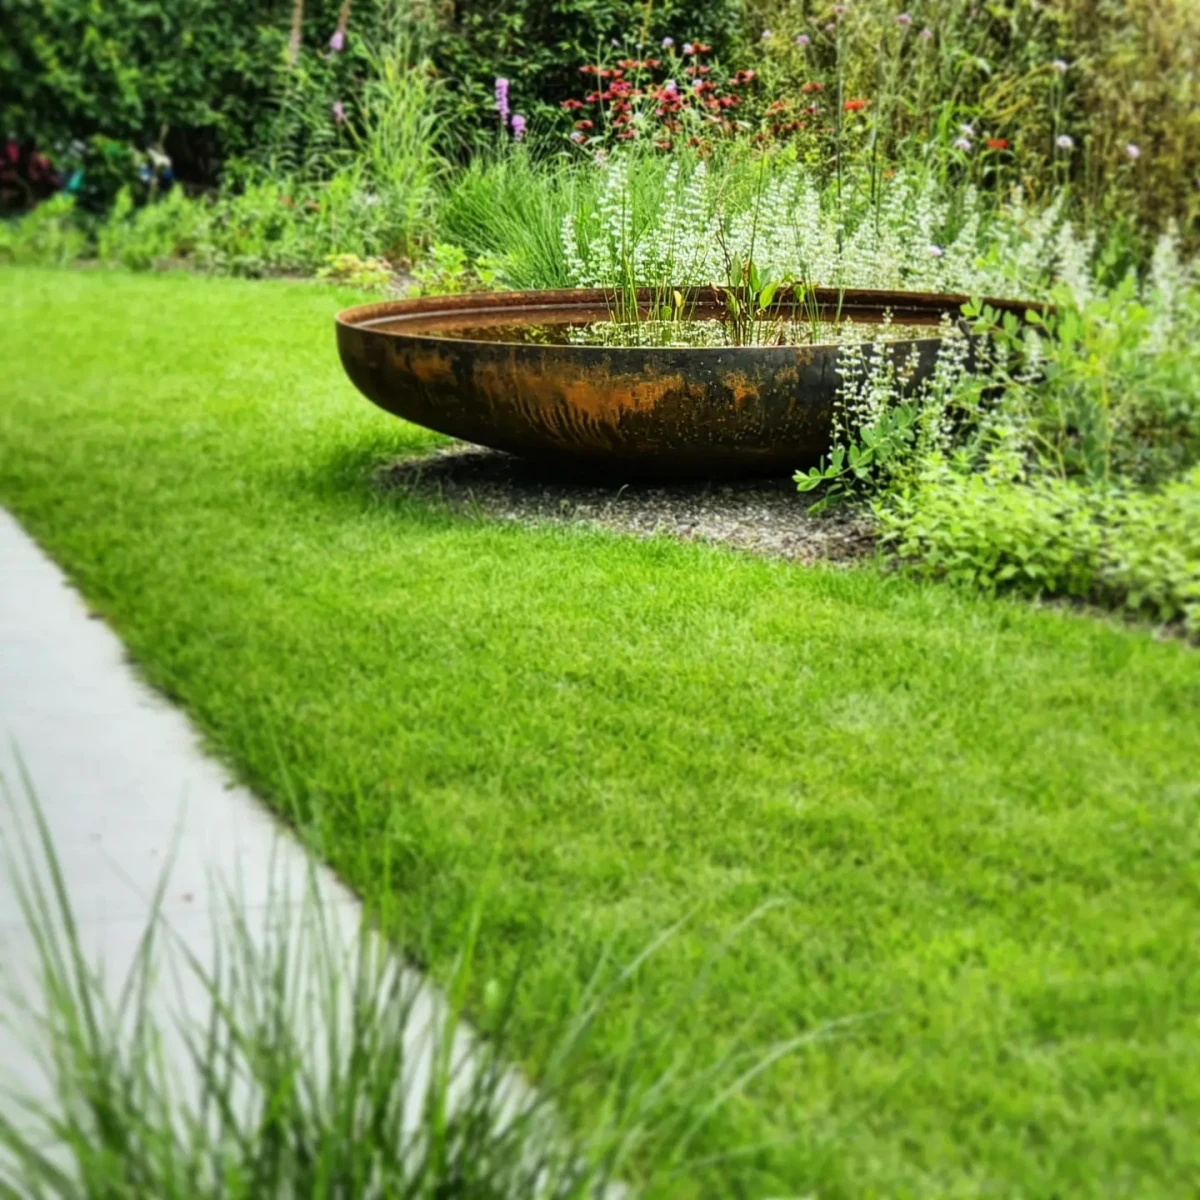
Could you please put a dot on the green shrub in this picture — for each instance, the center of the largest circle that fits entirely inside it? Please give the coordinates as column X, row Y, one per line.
column 88, row 82
column 1152, row 551
column 138, row 238
column 49, row 234
column 1051, row 537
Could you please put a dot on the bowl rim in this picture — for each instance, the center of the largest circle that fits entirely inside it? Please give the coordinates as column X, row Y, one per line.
column 369, row 318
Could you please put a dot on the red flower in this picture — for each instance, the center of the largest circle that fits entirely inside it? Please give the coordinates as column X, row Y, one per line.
column 592, row 97
column 664, row 144
column 626, row 134
column 854, row 105
column 814, row 86
column 572, row 105
column 743, row 77
column 585, row 125
column 700, row 48
column 997, row 143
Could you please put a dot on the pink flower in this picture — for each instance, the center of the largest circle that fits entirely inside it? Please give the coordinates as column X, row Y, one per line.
column 502, row 99
column 934, row 251
column 339, row 112
column 926, row 34
column 518, row 127
column 802, row 39
column 1133, row 152
column 688, row 48
column 963, row 144
column 338, row 41
column 904, row 19
column 578, row 137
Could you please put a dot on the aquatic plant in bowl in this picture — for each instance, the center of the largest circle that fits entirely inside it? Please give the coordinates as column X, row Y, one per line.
column 652, row 383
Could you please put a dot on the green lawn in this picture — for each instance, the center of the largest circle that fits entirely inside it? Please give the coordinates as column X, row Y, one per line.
column 982, row 817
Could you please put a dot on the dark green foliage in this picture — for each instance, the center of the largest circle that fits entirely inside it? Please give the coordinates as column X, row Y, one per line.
column 196, row 77
column 539, row 47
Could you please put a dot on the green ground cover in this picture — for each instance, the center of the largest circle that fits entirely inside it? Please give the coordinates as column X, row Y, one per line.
column 981, row 817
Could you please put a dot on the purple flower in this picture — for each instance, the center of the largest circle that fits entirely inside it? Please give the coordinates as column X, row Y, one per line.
column 963, row 144
column 801, row 39
column 926, row 34
column 967, row 130
column 668, row 42
column 840, row 10
column 1065, row 141
column 502, row 99
column 577, row 137
column 339, row 112
column 1060, row 66
column 765, row 36
column 688, row 48
column 698, row 85
column 1133, row 151
column 904, row 19
column 670, row 86
column 518, row 127
column 337, row 42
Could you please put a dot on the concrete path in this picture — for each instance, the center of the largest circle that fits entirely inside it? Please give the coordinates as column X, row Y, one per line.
column 123, row 783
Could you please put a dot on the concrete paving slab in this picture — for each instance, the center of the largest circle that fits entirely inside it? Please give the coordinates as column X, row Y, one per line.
column 123, row 783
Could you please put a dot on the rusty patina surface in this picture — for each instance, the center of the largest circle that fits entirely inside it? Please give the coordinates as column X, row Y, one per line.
column 644, row 411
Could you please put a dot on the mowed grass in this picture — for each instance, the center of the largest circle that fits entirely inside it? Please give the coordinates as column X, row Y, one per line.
column 980, row 819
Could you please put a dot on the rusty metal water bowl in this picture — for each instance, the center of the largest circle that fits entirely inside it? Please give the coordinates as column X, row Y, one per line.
column 638, row 411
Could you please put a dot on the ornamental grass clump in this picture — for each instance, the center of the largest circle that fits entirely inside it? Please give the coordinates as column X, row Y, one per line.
column 321, row 1064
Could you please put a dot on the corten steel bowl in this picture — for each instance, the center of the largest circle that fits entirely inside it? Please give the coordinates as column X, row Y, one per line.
column 633, row 411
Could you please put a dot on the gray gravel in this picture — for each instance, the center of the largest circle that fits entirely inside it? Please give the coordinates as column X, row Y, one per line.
column 763, row 516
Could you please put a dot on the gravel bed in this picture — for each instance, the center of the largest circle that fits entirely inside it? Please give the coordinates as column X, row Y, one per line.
column 763, row 516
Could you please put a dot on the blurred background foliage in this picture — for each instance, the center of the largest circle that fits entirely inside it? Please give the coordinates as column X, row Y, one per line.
column 212, row 83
